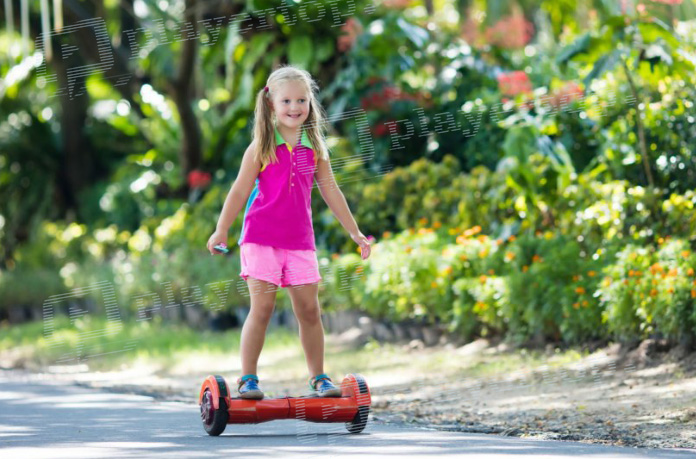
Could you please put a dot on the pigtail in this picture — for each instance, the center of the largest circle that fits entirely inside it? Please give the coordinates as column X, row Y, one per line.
column 263, row 128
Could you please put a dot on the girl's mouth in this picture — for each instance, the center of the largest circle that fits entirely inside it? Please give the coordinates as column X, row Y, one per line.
column 293, row 116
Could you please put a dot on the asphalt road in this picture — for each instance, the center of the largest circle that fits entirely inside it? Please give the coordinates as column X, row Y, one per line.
column 53, row 419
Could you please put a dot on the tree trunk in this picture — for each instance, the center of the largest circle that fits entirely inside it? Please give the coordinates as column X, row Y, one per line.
column 190, row 155
column 79, row 164
column 639, row 124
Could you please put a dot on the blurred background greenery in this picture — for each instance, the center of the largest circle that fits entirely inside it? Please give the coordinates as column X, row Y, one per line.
column 530, row 171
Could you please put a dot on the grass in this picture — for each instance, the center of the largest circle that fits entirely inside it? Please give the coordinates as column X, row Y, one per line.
column 178, row 349
column 107, row 345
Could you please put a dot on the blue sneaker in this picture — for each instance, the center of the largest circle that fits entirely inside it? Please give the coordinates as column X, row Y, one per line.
column 322, row 386
column 249, row 388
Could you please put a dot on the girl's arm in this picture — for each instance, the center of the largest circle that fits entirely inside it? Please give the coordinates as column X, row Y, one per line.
column 240, row 191
column 334, row 198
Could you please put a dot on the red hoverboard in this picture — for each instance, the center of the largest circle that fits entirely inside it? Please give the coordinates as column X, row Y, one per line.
column 218, row 408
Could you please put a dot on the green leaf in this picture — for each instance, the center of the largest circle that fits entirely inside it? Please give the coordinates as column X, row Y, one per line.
column 414, row 33
column 603, row 65
column 653, row 31
column 300, row 51
column 325, row 50
column 581, row 45
column 257, row 48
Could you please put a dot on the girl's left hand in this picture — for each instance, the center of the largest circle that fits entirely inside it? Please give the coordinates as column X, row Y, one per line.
column 364, row 244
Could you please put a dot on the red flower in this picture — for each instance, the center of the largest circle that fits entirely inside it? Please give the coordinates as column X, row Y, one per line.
column 396, row 4
column 351, row 29
column 511, row 32
column 561, row 98
column 514, row 83
column 380, row 99
column 380, row 130
column 198, row 179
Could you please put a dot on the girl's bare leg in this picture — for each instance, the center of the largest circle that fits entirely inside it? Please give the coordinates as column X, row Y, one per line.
column 263, row 296
column 305, row 305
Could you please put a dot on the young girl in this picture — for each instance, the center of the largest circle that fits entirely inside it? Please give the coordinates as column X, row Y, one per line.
column 277, row 247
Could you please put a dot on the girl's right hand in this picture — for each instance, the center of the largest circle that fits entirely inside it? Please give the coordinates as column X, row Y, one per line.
column 216, row 238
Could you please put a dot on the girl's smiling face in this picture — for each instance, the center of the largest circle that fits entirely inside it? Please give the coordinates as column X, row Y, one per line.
column 291, row 104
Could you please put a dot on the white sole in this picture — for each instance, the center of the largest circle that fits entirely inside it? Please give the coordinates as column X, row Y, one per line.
column 252, row 395
column 329, row 393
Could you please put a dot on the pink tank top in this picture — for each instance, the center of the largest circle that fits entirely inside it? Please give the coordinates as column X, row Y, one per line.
column 279, row 210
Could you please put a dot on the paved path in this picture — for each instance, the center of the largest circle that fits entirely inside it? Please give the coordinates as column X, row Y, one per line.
column 53, row 419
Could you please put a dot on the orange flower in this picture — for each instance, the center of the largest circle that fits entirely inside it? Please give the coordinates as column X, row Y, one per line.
column 630, row 273
column 386, row 234
column 483, row 253
column 498, row 241
column 536, row 258
column 408, row 249
column 576, row 278
column 625, row 281
column 580, row 290
column 423, row 221
column 591, row 273
column 576, row 305
column 654, row 281
column 690, row 271
column 491, row 272
column 433, row 284
column 462, row 257
column 437, row 225
column 673, row 272
column 660, row 240
column 693, row 293
column 335, row 256
column 448, row 270
column 483, row 278
column 685, row 253
column 525, row 268
column 422, row 231
column 655, row 268
column 509, row 256
column 585, row 303
column 461, row 240
column 512, row 238
column 670, row 290
column 653, row 292
column 411, row 231
column 446, row 252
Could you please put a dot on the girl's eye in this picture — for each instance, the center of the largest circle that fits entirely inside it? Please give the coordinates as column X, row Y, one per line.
column 302, row 100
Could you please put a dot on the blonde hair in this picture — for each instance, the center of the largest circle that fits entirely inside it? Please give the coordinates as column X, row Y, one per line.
column 314, row 125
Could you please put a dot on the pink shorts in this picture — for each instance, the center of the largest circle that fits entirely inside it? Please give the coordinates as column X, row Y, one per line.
column 282, row 267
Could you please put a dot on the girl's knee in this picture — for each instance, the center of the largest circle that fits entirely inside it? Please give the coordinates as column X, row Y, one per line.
column 262, row 312
column 308, row 314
